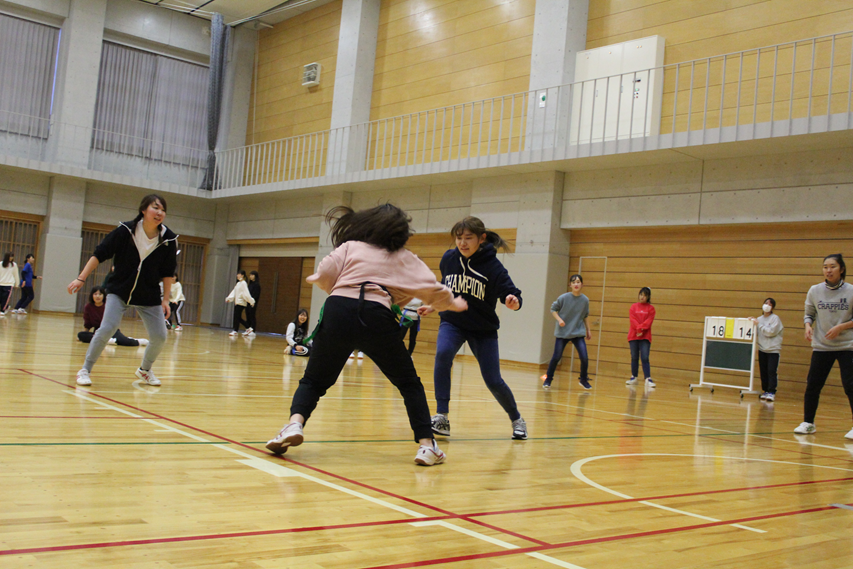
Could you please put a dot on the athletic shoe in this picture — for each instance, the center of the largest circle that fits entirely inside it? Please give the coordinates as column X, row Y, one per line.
column 632, row 381
column 430, row 455
column 289, row 436
column 770, row 397
column 547, row 384
column 519, row 429
column 361, row 355
column 762, row 396
column 248, row 331
column 147, row 376
column 233, row 333
column 83, row 377
column 805, row 429
column 112, row 341
column 142, row 341
column 440, row 425
column 650, row 383
column 21, row 311
column 849, row 435
column 178, row 328
column 584, row 383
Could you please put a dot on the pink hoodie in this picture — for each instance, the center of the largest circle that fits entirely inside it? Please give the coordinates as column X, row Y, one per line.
column 402, row 273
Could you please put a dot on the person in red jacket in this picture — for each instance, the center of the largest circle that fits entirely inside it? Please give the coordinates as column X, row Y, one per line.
column 642, row 315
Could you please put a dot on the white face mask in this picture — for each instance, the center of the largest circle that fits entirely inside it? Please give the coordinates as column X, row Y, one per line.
column 767, row 308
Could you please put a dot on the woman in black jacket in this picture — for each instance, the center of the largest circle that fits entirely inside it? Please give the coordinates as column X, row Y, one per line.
column 144, row 252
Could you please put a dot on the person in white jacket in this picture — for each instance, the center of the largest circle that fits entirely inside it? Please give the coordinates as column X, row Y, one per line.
column 241, row 298
column 769, row 347
column 8, row 280
column 176, row 302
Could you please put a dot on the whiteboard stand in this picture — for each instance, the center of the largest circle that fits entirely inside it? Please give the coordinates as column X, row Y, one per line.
column 729, row 344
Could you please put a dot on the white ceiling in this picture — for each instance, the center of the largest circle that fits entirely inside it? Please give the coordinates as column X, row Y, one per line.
column 240, row 11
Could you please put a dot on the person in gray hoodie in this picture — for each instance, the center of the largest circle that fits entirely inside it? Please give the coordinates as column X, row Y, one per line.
column 769, row 347
column 829, row 327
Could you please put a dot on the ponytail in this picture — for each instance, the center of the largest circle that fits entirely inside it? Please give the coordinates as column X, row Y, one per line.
column 476, row 226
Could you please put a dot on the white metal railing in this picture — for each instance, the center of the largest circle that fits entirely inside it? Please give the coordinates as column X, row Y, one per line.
column 37, row 138
column 685, row 103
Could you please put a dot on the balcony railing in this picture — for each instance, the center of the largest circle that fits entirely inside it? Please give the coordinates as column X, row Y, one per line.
column 792, row 88
column 39, row 139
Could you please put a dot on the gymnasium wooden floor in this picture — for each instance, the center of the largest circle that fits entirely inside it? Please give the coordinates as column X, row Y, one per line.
column 124, row 475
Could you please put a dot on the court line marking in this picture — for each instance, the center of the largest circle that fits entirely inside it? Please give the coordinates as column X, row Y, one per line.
column 844, row 506
column 278, row 470
column 576, row 470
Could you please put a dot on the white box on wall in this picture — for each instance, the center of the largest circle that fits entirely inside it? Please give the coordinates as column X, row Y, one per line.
column 617, row 91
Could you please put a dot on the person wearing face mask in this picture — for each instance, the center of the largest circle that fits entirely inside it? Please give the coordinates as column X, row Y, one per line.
column 641, row 316
column 829, row 328
column 769, row 347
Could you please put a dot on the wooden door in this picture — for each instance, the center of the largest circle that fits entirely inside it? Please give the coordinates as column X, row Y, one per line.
column 281, row 280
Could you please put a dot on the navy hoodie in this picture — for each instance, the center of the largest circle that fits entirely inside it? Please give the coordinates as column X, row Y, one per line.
column 481, row 280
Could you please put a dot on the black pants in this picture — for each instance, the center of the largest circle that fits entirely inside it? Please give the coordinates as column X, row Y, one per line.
column 340, row 333
column 768, row 363
column 175, row 312
column 251, row 319
column 238, row 317
column 27, row 296
column 121, row 339
column 5, row 294
column 413, row 335
column 821, row 364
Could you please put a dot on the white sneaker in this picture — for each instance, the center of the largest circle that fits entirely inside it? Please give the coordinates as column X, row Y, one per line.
column 147, row 376
column 112, row 341
column 849, row 435
column 142, row 341
column 650, row 383
column 248, row 332
column 440, row 425
column 430, row 455
column 289, row 436
column 233, row 333
column 805, row 429
column 770, row 397
column 519, row 429
column 632, row 381
column 83, row 377
column 21, row 311
column 361, row 355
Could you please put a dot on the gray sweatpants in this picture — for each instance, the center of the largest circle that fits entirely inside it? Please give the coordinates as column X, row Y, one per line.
column 152, row 318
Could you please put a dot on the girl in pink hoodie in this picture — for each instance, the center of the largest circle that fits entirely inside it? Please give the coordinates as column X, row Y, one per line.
column 369, row 271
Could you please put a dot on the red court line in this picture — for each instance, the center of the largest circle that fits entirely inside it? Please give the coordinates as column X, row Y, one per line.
column 535, row 549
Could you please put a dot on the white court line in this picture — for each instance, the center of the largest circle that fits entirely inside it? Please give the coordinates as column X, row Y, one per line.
column 805, row 443
column 578, row 465
column 283, row 471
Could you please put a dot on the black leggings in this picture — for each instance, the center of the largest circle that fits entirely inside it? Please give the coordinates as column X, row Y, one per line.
column 819, row 369
column 27, row 296
column 413, row 335
column 341, row 332
column 121, row 339
column 175, row 313
column 768, row 363
column 238, row 317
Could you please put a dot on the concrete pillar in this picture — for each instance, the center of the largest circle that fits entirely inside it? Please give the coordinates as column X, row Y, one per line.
column 559, row 32
column 353, row 85
column 61, row 244
column 77, row 82
column 539, row 266
column 236, row 97
column 318, row 297
column 221, row 266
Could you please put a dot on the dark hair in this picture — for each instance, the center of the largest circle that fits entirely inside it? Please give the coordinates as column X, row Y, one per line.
column 840, row 260
column 28, row 257
column 647, row 292
column 257, row 276
column 476, row 226
column 94, row 290
column 7, row 258
column 573, row 277
column 771, row 301
column 177, row 280
column 150, row 199
column 302, row 325
column 241, row 272
column 386, row 226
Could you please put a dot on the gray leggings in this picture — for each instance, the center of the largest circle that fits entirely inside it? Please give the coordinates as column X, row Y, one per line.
column 152, row 318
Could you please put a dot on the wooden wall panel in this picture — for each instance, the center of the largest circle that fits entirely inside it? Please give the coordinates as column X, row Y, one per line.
column 434, row 53
column 280, row 106
column 698, row 271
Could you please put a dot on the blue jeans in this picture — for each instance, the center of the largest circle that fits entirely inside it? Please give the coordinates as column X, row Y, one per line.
column 152, row 318
column 640, row 351
column 484, row 346
column 559, row 346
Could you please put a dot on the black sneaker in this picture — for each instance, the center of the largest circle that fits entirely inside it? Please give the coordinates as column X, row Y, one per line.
column 584, row 383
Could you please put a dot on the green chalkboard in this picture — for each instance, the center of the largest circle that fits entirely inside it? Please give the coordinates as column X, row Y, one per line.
column 728, row 355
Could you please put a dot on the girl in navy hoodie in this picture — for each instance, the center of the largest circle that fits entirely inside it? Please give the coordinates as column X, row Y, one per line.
column 472, row 270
